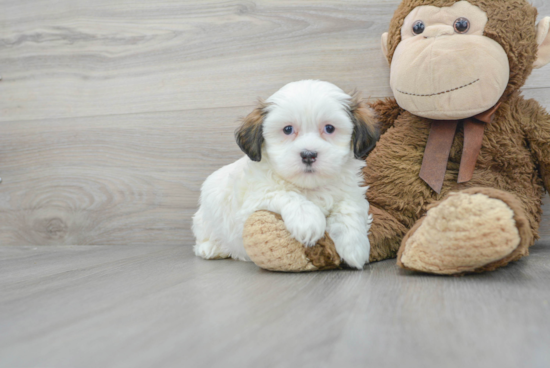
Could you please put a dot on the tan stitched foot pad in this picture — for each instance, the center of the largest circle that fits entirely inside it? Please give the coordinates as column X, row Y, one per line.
column 270, row 246
column 464, row 233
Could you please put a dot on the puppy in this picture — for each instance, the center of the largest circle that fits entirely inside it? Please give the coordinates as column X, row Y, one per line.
column 303, row 161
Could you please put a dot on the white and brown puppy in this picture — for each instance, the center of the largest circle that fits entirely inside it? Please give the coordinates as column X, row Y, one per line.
column 304, row 147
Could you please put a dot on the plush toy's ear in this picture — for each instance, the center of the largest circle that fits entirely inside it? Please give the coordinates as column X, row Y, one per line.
column 543, row 40
column 365, row 131
column 385, row 46
column 249, row 135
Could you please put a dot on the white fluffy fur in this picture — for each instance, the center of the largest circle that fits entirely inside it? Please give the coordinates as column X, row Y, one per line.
column 326, row 197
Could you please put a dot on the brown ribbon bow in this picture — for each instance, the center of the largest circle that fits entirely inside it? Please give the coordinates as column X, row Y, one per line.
column 439, row 146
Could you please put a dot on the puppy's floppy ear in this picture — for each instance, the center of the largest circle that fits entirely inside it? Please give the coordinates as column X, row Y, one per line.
column 365, row 131
column 249, row 135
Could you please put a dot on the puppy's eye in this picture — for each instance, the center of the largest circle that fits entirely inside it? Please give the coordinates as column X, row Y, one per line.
column 462, row 25
column 288, row 130
column 329, row 129
column 418, row 27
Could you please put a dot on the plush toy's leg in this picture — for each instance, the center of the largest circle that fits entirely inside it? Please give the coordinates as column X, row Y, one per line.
column 385, row 235
column 270, row 246
column 475, row 230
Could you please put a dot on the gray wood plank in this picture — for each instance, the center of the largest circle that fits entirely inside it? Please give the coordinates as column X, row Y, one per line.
column 21, row 265
column 73, row 58
column 118, row 179
column 115, row 112
column 145, row 306
column 110, row 180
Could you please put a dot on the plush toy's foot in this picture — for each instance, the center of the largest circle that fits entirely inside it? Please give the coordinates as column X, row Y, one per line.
column 270, row 246
column 475, row 230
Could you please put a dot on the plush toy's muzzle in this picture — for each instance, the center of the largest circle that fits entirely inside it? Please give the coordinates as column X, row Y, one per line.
column 437, row 77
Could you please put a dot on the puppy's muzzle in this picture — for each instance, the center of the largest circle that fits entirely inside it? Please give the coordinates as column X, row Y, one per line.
column 308, row 157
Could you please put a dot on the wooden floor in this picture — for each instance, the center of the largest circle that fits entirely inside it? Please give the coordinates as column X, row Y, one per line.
column 113, row 112
column 159, row 306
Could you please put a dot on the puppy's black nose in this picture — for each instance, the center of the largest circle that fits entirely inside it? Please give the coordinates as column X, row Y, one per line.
column 308, row 157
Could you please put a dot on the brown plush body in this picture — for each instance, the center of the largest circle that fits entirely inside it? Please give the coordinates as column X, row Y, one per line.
column 515, row 158
column 492, row 219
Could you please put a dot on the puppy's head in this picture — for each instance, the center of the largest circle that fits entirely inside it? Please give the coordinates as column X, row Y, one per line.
column 308, row 131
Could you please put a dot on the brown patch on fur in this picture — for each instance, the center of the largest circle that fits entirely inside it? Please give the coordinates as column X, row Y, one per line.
column 323, row 255
column 249, row 135
column 511, row 24
column 365, row 131
column 537, row 128
column 385, row 235
column 386, row 111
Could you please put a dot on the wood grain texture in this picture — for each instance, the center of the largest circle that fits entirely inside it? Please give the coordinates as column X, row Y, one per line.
column 113, row 113
column 159, row 306
column 73, row 58
column 110, row 180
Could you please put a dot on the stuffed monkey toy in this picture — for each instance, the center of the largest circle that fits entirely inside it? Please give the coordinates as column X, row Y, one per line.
column 457, row 179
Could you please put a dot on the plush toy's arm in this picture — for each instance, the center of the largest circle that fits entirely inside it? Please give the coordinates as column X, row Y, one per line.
column 386, row 112
column 538, row 133
column 304, row 220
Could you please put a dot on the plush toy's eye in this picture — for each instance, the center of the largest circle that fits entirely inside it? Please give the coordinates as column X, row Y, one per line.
column 288, row 130
column 462, row 25
column 419, row 27
column 329, row 129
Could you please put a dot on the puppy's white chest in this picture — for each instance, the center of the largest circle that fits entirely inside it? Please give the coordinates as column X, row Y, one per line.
column 325, row 201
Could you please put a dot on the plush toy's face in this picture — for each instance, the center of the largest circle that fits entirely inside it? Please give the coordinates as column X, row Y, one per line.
column 445, row 66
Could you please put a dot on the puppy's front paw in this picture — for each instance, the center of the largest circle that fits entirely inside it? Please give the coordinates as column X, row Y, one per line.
column 305, row 222
column 353, row 246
